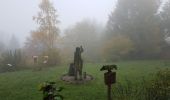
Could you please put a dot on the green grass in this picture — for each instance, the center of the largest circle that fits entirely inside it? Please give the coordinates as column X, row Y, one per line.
column 23, row 85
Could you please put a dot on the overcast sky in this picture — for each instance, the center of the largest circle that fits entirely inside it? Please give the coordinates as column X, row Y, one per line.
column 16, row 15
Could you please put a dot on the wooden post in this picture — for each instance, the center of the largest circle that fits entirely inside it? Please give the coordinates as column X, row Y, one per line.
column 109, row 92
column 109, row 78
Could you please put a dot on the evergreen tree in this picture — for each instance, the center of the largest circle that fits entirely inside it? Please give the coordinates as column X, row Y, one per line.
column 137, row 20
column 165, row 19
column 13, row 43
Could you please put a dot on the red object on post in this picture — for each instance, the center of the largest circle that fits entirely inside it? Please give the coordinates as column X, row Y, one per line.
column 110, row 78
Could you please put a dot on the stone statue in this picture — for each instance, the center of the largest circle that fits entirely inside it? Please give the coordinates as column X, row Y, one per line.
column 76, row 67
column 78, row 62
column 71, row 70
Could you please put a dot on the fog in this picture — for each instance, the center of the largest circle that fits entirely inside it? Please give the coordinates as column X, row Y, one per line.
column 93, row 49
column 16, row 15
column 108, row 30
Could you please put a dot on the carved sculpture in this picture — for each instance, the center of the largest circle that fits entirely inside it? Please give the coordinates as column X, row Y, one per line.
column 78, row 62
column 76, row 67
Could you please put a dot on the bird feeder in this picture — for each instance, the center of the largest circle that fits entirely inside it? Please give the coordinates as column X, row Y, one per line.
column 109, row 77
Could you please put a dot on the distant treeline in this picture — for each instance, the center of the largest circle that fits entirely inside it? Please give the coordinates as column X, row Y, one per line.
column 136, row 29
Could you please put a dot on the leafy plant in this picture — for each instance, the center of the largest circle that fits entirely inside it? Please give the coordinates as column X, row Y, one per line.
column 51, row 91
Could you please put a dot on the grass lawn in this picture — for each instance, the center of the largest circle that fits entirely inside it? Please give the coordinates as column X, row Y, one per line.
column 23, row 85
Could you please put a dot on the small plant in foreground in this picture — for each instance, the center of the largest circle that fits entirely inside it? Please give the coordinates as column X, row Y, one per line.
column 51, row 91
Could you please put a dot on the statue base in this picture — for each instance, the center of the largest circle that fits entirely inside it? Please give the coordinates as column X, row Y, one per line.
column 71, row 79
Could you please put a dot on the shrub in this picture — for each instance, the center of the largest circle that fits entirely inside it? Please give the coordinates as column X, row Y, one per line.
column 12, row 60
column 128, row 91
column 156, row 89
column 50, row 91
column 54, row 57
column 159, row 88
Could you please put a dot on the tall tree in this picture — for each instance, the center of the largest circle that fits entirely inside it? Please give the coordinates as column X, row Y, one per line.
column 137, row 20
column 2, row 47
column 165, row 28
column 48, row 31
column 42, row 40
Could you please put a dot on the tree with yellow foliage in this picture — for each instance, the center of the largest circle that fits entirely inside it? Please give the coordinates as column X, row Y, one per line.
column 117, row 47
column 44, row 38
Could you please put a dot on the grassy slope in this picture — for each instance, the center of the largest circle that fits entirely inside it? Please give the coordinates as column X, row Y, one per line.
column 23, row 85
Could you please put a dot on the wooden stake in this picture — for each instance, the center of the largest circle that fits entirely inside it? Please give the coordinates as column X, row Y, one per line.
column 109, row 92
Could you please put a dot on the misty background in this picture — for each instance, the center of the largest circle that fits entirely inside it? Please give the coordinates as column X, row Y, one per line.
column 16, row 15
column 109, row 31
column 50, row 41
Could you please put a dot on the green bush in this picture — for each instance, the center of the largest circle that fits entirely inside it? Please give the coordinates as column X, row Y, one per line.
column 50, row 91
column 159, row 88
column 128, row 91
column 14, row 58
column 156, row 89
column 53, row 56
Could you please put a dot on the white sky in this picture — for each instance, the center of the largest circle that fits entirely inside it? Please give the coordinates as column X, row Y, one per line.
column 16, row 15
